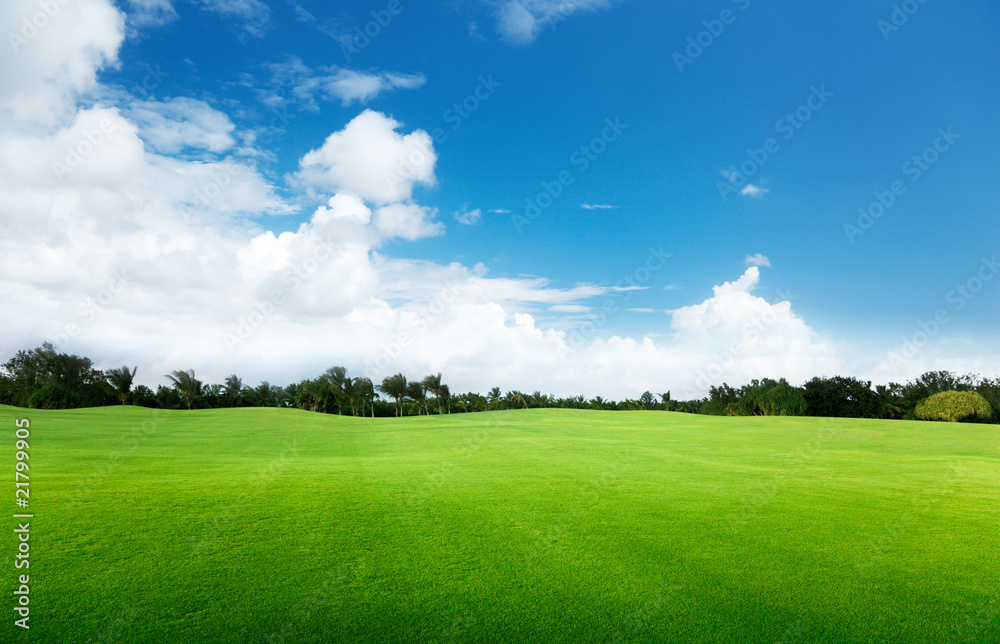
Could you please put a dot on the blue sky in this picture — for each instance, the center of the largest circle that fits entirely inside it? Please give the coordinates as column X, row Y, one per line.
column 875, row 93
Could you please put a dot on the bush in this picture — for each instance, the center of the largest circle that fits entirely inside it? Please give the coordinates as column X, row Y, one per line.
column 954, row 406
column 54, row 396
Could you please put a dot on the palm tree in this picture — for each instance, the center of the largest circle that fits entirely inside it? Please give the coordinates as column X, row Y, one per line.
column 666, row 401
column 120, row 380
column 538, row 399
column 515, row 399
column 493, row 398
column 395, row 387
column 366, row 388
column 446, row 394
column 189, row 387
column 597, row 403
column 335, row 378
column 234, row 390
column 433, row 385
column 416, row 392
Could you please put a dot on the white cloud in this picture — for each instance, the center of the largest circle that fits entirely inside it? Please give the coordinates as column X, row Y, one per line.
column 133, row 256
column 254, row 15
column 172, row 126
column 750, row 190
column 597, row 206
column 150, row 13
column 407, row 221
column 353, row 86
column 521, row 21
column 469, row 217
column 369, row 158
column 757, row 260
column 500, row 211
column 333, row 83
column 50, row 63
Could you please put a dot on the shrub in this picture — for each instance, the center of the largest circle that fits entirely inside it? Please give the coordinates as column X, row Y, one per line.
column 954, row 406
column 54, row 396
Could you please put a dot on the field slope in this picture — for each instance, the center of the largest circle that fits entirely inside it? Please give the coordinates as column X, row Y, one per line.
column 268, row 525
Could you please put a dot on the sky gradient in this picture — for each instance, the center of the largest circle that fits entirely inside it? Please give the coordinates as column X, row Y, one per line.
column 574, row 196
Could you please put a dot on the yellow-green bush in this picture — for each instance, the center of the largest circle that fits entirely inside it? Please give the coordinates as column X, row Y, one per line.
column 954, row 406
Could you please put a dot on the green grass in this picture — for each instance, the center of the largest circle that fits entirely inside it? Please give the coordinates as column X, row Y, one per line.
column 541, row 526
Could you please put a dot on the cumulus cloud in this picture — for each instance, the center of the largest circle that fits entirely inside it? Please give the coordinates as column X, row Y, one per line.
column 369, row 158
column 55, row 59
column 407, row 221
column 757, row 260
column 114, row 247
column 521, row 21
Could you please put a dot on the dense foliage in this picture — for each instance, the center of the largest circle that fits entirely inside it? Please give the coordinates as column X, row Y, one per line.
column 46, row 379
column 954, row 406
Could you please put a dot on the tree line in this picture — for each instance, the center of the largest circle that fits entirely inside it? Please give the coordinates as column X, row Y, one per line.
column 44, row 378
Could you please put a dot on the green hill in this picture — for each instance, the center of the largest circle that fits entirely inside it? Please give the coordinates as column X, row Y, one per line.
column 276, row 525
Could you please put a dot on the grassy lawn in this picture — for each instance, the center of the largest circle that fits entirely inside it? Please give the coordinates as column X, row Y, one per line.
column 268, row 525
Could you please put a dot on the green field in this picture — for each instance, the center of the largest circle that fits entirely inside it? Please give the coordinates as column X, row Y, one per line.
column 276, row 525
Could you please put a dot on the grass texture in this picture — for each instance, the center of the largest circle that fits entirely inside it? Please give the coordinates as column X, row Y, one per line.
column 547, row 526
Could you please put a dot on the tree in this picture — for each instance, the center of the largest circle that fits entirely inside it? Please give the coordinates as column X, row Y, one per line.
column 416, row 392
column 647, row 400
column 433, row 385
column 366, row 389
column 233, row 391
column 120, row 381
column 666, row 401
column 395, row 387
column 840, row 397
column 446, row 394
column 493, row 398
column 185, row 384
column 335, row 379
column 539, row 400
column 955, row 406
column 29, row 371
